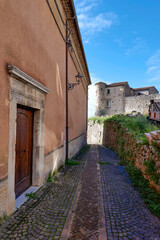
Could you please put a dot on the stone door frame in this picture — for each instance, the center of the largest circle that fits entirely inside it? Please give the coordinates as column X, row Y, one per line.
column 28, row 92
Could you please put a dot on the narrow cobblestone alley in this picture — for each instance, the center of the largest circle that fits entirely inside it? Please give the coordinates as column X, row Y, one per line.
column 88, row 201
column 125, row 213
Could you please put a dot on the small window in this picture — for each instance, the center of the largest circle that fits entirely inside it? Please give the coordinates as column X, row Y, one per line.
column 108, row 91
column 108, row 104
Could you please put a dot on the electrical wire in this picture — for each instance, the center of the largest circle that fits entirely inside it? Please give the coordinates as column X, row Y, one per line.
column 63, row 35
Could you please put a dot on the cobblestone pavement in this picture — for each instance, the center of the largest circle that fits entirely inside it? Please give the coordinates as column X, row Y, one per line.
column 125, row 213
column 44, row 217
column 104, row 191
column 86, row 221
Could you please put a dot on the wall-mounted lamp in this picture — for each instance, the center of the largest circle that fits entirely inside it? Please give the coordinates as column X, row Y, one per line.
column 78, row 79
column 69, row 43
column 69, row 86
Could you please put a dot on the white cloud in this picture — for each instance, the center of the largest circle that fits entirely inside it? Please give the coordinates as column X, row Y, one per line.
column 84, row 6
column 92, row 94
column 91, row 24
column 151, row 69
column 139, row 46
column 153, row 65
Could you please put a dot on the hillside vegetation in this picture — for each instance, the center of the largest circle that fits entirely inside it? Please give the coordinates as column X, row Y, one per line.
column 136, row 125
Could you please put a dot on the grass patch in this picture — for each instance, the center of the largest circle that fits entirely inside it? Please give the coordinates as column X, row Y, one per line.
column 84, row 150
column 30, row 195
column 104, row 163
column 99, row 120
column 50, row 177
column 3, row 218
column 72, row 162
column 151, row 169
column 136, row 125
column 149, row 195
column 123, row 162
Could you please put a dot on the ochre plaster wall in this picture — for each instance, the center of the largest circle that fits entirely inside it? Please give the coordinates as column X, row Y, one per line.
column 30, row 40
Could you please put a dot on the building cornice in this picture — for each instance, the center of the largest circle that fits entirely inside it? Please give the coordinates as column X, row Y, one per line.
column 70, row 14
column 22, row 76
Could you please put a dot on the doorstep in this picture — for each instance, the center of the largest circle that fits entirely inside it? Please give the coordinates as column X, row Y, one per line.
column 22, row 198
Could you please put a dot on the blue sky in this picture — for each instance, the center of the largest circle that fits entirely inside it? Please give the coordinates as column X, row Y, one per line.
column 122, row 41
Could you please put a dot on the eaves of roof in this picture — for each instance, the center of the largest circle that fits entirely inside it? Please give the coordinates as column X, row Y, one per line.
column 72, row 13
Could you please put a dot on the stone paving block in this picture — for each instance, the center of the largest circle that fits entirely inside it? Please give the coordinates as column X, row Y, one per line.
column 133, row 220
column 125, row 214
column 45, row 216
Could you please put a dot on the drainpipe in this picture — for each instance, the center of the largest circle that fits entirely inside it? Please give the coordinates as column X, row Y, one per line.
column 67, row 39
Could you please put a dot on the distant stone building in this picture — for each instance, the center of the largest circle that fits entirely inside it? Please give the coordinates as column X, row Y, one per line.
column 119, row 98
column 145, row 91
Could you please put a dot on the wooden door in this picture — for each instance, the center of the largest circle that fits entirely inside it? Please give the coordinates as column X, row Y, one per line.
column 24, row 139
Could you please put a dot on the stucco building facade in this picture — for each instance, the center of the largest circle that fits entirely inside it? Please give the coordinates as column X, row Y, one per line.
column 33, row 93
column 120, row 98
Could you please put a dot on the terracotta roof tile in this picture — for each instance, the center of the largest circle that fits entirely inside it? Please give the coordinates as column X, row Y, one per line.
column 143, row 88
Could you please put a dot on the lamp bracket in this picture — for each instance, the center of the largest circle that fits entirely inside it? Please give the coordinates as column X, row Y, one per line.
column 72, row 85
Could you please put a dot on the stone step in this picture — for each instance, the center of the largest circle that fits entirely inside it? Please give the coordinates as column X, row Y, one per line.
column 154, row 135
column 158, row 143
column 149, row 137
column 158, row 134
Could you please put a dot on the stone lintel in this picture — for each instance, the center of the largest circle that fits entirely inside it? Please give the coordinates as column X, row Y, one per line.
column 22, row 76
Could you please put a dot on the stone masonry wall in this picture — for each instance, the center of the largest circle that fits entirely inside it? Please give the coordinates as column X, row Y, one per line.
column 115, row 97
column 95, row 133
column 139, row 103
column 128, row 148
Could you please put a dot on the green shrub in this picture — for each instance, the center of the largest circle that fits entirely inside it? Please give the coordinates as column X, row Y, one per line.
column 136, row 125
column 30, row 195
column 149, row 195
column 99, row 120
column 50, row 177
column 151, row 169
column 72, row 162
column 84, row 150
column 104, row 163
column 3, row 218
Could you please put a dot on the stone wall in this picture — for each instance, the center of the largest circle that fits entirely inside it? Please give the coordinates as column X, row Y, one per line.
column 121, row 99
column 117, row 100
column 95, row 133
column 115, row 97
column 139, row 103
column 100, row 105
column 130, row 149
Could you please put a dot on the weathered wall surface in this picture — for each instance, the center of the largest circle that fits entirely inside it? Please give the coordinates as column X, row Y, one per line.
column 95, row 133
column 115, row 97
column 22, row 25
column 56, row 159
column 43, row 59
column 3, row 192
column 139, row 103
column 100, row 105
column 129, row 149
